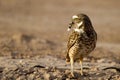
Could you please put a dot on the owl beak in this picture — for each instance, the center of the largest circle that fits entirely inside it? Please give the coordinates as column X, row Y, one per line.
column 70, row 26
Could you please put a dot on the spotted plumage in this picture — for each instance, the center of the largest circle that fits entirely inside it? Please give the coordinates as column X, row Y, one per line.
column 82, row 40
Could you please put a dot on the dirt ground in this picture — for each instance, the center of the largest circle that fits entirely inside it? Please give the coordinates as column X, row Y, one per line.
column 33, row 37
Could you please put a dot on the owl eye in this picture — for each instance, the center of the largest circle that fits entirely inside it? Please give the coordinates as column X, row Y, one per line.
column 69, row 27
column 72, row 23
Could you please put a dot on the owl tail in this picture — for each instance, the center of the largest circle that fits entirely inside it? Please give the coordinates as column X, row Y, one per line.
column 67, row 58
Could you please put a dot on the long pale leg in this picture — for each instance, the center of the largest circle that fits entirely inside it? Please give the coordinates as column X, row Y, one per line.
column 81, row 66
column 72, row 63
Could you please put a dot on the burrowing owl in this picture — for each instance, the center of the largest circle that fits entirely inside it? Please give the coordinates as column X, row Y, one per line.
column 81, row 41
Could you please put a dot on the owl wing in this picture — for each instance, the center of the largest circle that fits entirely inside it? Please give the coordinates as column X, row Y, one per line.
column 72, row 40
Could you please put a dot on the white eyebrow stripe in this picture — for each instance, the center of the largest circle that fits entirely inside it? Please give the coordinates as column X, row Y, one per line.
column 79, row 24
column 75, row 16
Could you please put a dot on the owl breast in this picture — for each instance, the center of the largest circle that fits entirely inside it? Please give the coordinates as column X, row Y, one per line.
column 83, row 46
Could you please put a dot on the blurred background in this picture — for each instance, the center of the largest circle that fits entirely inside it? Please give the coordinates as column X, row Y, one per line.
column 30, row 28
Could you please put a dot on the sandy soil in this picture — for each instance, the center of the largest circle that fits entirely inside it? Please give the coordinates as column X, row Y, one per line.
column 33, row 39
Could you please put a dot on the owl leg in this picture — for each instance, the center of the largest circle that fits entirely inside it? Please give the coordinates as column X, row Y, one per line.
column 81, row 66
column 72, row 63
column 67, row 58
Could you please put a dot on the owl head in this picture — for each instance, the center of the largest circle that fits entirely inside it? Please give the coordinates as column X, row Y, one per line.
column 80, row 23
